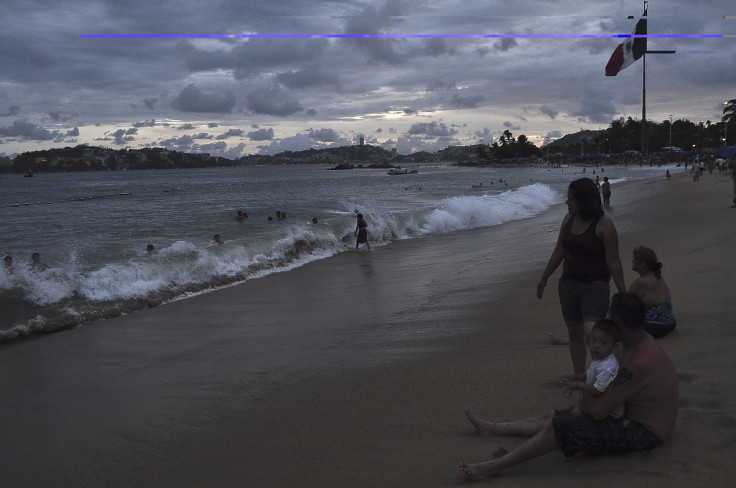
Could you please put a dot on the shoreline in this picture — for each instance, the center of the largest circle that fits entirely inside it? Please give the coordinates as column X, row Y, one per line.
column 402, row 424
column 29, row 319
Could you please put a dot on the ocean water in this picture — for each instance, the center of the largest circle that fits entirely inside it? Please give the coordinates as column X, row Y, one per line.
column 92, row 229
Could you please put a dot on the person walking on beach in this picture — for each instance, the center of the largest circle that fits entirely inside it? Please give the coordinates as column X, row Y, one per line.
column 647, row 384
column 361, row 232
column 587, row 247
column 606, row 192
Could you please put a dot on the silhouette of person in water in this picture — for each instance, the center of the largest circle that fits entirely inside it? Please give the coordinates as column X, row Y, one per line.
column 361, row 231
column 606, row 192
column 37, row 264
column 151, row 250
column 9, row 265
column 218, row 240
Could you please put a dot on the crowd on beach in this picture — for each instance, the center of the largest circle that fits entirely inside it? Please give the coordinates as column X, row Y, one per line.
column 629, row 394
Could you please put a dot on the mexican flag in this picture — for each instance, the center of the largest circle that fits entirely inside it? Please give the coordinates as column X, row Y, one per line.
column 630, row 50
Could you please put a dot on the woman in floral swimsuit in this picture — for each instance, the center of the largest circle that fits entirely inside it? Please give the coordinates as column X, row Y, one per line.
column 651, row 287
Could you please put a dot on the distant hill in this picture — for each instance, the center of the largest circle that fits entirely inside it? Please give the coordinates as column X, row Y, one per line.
column 584, row 136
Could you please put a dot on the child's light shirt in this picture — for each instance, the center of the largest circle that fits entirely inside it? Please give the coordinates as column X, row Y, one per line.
column 600, row 374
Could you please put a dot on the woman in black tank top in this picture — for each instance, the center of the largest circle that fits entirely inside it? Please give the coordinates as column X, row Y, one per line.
column 587, row 247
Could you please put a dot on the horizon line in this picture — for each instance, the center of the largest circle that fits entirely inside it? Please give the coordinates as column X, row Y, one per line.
column 396, row 36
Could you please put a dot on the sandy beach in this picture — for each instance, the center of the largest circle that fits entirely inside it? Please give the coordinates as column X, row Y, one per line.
column 146, row 400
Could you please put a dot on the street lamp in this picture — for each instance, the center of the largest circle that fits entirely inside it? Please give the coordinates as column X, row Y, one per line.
column 670, row 144
column 725, row 130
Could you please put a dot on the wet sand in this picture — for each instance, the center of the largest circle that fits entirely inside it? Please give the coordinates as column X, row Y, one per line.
column 148, row 400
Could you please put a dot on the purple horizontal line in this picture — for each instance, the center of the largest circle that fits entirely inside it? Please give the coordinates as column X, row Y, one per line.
column 392, row 36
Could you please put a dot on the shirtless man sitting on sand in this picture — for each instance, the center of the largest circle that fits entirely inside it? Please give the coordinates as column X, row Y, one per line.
column 647, row 383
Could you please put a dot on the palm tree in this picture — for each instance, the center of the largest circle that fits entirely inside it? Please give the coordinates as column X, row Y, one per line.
column 729, row 111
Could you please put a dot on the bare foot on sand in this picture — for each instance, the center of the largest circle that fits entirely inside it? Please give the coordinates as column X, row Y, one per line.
column 478, row 472
column 559, row 341
column 484, row 427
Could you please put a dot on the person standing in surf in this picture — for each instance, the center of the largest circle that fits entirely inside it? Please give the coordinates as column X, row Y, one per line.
column 606, row 191
column 361, row 232
column 587, row 247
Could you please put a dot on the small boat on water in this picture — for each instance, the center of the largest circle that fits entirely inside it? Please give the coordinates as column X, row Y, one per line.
column 29, row 174
column 400, row 171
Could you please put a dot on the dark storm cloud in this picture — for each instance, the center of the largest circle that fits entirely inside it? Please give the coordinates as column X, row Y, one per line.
column 31, row 132
column 323, row 135
column 202, row 135
column 250, row 57
column 432, row 47
column 466, row 101
column 432, row 129
column 231, row 133
column 596, row 108
column 179, row 143
column 485, row 134
column 150, row 102
column 505, row 43
column 14, row 110
column 261, row 135
column 548, row 111
column 437, row 85
column 374, row 21
column 306, row 78
column 122, row 137
column 270, row 101
column 60, row 116
column 192, row 99
column 146, row 123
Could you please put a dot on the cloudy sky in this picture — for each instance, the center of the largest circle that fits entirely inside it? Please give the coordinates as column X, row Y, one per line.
column 183, row 84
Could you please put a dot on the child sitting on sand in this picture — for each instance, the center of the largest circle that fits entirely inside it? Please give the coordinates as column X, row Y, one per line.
column 604, row 337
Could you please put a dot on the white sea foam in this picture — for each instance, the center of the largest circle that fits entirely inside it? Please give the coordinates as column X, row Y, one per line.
column 184, row 263
column 469, row 212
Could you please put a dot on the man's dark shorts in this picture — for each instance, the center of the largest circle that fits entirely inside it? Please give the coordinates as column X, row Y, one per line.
column 585, row 435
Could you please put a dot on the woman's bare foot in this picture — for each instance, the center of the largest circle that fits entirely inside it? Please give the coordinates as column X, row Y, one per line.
column 484, row 427
column 559, row 341
column 478, row 472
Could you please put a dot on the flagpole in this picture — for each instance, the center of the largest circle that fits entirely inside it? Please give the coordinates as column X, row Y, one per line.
column 644, row 148
column 644, row 145
column 626, row 53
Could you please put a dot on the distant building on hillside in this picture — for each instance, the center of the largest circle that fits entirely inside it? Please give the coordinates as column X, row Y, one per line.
column 362, row 141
